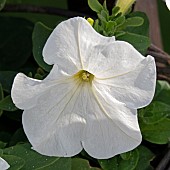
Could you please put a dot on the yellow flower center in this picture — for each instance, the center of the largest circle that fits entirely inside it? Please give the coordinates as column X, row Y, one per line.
column 84, row 76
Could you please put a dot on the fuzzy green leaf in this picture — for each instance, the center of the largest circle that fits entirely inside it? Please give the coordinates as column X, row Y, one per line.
column 95, row 5
column 120, row 21
column 33, row 160
column 142, row 29
column 134, row 21
column 158, row 133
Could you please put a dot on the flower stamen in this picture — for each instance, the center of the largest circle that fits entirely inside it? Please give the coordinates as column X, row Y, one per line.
column 84, row 76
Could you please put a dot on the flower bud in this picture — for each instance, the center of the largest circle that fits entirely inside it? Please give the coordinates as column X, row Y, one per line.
column 124, row 5
column 91, row 21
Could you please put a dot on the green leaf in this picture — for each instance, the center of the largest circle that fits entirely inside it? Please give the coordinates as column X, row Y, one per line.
column 95, row 5
column 105, row 6
column 120, row 21
column 142, row 29
column 7, row 104
column 33, row 160
column 104, row 14
column 134, row 21
column 81, row 164
column 115, row 11
column 102, row 20
column 162, row 93
column 119, row 33
column 2, row 4
column 154, row 113
column 145, row 157
column 158, row 133
column 110, row 26
column 6, row 80
column 129, row 164
column 16, row 43
column 15, row 162
column 117, row 163
column 141, row 43
column 39, row 38
column 109, row 164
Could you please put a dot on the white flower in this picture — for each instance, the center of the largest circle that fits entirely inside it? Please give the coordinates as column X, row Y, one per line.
column 90, row 98
column 167, row 3
column 3, row 164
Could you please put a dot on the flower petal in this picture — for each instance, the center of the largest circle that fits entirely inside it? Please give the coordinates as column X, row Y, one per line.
column 3, row 164
column 70, row 43
column 135, row 88
column 168, row 3
column 26, row 91
column 54, row 126
column 111, row 128
column 114, row 59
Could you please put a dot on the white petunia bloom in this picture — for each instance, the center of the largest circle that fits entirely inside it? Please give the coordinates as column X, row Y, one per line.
column 167, row 3
column 3, row 164
column 90, row 98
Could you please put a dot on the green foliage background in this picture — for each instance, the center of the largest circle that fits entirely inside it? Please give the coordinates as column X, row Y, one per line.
column 21, row 52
